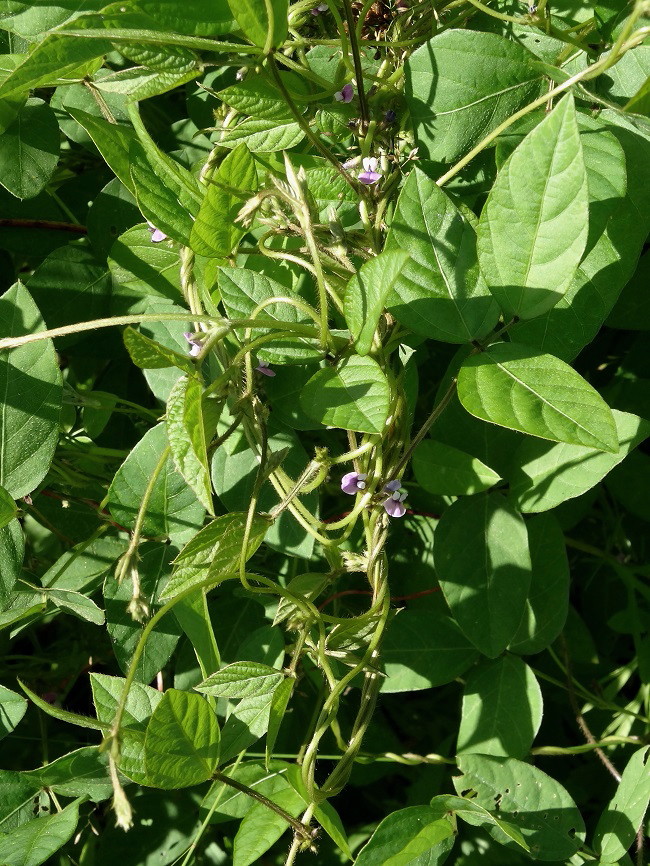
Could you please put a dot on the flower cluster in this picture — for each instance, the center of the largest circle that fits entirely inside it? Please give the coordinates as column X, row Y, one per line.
column 355, row 482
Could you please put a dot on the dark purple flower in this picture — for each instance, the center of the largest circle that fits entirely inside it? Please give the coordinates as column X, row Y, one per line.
column 390, row 116
column 353, row 482
column 370, row 175
column 264, row 369
column 195, row 343
column 345, row 94
column 156, row 234
column 394, row 503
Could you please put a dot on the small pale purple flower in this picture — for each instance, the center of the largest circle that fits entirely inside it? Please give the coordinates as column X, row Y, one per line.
column 195, row 344
column 394, row 503
column 353, row 482
column 156, row 234
column 264, row 369
column 370, row 175
column 322, row 7
column 345, row 94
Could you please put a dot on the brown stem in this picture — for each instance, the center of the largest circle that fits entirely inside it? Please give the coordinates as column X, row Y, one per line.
column 54, row 225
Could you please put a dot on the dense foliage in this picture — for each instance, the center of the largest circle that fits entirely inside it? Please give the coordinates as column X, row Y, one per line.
column 325, row 384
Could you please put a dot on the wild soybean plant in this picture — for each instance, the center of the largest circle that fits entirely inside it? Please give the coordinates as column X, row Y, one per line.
column 301, row 399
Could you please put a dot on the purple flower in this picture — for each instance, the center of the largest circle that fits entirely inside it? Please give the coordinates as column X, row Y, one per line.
column 195, row 343
column 394, row 502
column 390, row 116
column 264, row 369
column 345, row 94
column 369, row 175
column 322, row 7
column 353, row 482
column 156, row 234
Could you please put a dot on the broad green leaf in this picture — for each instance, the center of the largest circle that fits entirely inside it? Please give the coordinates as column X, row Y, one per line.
column 231, row 803
column 173, row 508
column 12, row 708
column 142, row 269
column 443, row 469
column 632, row 310
column 283, row 393
column 8, row 508
column 258, row 96
column 124, row 631
column 502, row 709
column 181, row 746
column 30, row 382
column 281, row 697
column 264, row 22
column 215, row 232
column 12, row 551
column 187, row 438
column 461, row 85
column 148, row 354
column 547, row 604
column 517, row 387
column 82, row 567
column 619, row 823
column 626, row 77
column 262, row 136
column 33, row 19
column 214, row 553
column 17, row 795
column 261, row 827
column 193, row 17
column 245, row 724
column 366, row 293
column 526, row 797
column 416, row 836
column 113, row 140
column 545, row 475
column 610, row 260
column 243, row 290
column 483, row 565
column 168, row 334
column 79, row 605
column 29, row 150
column 82, row 773
column 440, row 292
column 353, row 395
column 140, row 705
column 241, row 680
column 533, row 228
column 35, row 842
column 193, row 615
column 472, row 813
column 423, row 649
column 55, row 59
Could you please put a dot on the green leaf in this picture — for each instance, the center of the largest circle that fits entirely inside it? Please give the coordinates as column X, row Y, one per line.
column 30, row 382
column 243, row 290
column 444, row 470
column 187, row 440
column 366, row 293
column 215, row 232
column 264, row 22
column 82, row 607
column 262, row 136
column 547, row 604
column 185, row 16
column 354, row 395
column 246, row 723
column 29, row 150
column 483, row 565
column 35, row 842
column 173, row 508
column 632, row 310
column 474, row 814
column 124, row 631
column 113, row 140
column 64, row 715
column 181, row 746
column 461, row 85
column 259, row 96
column 546, row 475
column 423, row 649
column 261, row 827
column 526, row 797
column 82, row 773
column 12, row 708
column 440, row 292
column 150, row 355
column 142, row 269
column 502, row 709
column 281, row 697
column 231, row 803
column 33, row 19
column 214, row 553
column 12, row 551
column 533, row 228
column 242, row 680
column 55, row 59
column 619, row 823
column 193, row 615
column 82, row 567
column 8, row 508
column 522, row 389
column 416, row 836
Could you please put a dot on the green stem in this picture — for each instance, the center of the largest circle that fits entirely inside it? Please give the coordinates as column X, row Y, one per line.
column 422, row 432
